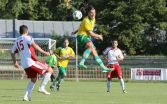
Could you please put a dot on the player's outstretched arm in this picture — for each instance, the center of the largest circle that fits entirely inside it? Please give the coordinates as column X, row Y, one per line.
column 40, row 49
column 97, row 36
column 74, row 32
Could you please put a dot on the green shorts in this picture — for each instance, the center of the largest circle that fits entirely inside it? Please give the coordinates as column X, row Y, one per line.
column 62, row 71
column 82, row 39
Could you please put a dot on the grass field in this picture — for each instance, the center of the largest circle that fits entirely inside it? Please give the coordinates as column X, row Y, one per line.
column 85, row 92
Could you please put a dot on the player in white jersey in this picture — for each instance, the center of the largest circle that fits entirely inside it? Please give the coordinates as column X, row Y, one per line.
column 114, row 55
column 25, row 45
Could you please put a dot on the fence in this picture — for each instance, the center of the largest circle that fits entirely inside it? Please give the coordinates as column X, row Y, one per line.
column 37, row 29
column 92, row 73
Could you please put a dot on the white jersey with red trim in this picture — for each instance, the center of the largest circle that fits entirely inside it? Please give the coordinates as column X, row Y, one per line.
column 26, row 51
column 112, row 55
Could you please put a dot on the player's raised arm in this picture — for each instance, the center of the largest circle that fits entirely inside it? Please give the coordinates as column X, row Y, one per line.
column 74, row 32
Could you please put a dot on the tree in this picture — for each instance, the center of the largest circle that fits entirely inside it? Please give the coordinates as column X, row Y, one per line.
column 136, row 23
column 134, row 20
column 11, row 9
column 2, row 7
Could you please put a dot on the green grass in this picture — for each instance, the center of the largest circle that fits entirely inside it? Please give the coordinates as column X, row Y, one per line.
column 85, row 92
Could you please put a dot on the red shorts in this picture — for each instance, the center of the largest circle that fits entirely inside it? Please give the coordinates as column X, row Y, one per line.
column 38, row 68
column 116, row 73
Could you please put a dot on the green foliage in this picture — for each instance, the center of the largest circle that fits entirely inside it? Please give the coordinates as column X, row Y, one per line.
column 136, row 23
column 29, row 11
column 140, row 25
column 63, row 12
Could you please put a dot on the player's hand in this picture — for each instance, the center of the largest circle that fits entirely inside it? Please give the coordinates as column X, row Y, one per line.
column 60, row 58
column 119, row 58
column 100, row 37
column 16, row 65
column 66, row 56
column 47, row 53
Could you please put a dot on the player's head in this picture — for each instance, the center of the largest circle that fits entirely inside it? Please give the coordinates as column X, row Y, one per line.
column 91, row 12
column 66, row 42
column 23, row 29
column 114, row 43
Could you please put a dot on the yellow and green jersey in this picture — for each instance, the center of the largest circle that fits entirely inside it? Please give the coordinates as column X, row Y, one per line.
column 86, row 25
column 64, row 52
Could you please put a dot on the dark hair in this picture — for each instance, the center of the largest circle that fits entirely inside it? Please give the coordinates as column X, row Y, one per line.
column 23, row 29
column 66, row 39
column 89, row 8
column 114, row 39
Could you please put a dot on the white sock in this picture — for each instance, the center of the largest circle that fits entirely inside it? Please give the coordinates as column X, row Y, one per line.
column 108, row 85
column 122, row 84
column 30, row 87
column 45, row 81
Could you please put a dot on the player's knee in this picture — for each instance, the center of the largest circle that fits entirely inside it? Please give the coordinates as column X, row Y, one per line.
column 120, row 77
column 33, row 80
column 89, row 45
column 109, row 79
column 93, row 50
column 50, row 70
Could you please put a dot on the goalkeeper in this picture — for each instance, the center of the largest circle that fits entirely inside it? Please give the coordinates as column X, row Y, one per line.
column 52, row 62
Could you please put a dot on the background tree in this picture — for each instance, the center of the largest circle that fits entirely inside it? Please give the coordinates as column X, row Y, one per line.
column 133, row 22
column 11, row 9
column 140, row 25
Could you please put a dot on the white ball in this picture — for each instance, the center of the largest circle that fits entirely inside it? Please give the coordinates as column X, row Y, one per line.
column 77, row 15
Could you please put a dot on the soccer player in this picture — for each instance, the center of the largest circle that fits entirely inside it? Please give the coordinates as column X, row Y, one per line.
column 52, row 62
column 63, row 55
column 114, row 55
column 25, row 45
column 85, row 32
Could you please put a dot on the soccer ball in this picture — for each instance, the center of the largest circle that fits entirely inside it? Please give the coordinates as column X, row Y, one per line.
column 77, row 15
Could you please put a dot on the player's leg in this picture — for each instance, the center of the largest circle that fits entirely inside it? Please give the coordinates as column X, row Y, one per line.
column 53, row 77
column 119, row 73
column 108, row 85
column 63, row 73
column 45, row 70
column 83, row 40
column 84, row 58
column 53, row 85
column 45, row 81
column 122, row 84
column 108, row 81
column 29, row 89
column 97, row 58
column 55, row 80
column 32, row 74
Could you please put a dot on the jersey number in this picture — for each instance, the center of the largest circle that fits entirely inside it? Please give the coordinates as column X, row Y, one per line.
column 20, row 45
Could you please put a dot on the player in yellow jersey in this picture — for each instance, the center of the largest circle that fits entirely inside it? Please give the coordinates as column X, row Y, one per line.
column 85, row 32
column 63, row 55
